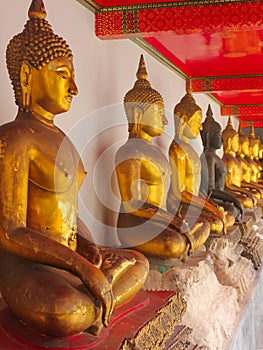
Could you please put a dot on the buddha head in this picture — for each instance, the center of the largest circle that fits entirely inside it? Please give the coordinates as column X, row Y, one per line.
column 243, row 142
column 144, row 106
column 230, row 138
column 260, row 152
column 254, row 142
column 211, row 132
column 40, row 66
column 189, row 113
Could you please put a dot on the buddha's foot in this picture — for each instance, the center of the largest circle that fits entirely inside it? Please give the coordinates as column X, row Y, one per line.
column 96, row 328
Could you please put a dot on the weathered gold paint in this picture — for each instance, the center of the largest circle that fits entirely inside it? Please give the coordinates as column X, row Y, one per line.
column 186, row 166
column 143, row 176
column 53, row 277
column 234, row 168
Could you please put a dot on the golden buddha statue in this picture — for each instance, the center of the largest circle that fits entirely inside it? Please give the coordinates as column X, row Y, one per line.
column 145, row 221
column 186, row 168
column 213, row 172
column 253, row 154
column 258, row 157
column 234, row 169
column 247, row 165
column 53, row 277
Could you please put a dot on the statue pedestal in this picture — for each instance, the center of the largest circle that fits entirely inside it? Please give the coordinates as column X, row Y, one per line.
column 230, row 267
column 149, row 318
column 252, row 241
column 246, row 224
column 255, row 213
column 211, row 307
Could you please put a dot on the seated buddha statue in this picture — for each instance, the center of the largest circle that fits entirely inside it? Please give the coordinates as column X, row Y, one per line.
column 146, row 222
column 53, row 277
column 213, row 171
column 247, row 165
column 258, row 159
column 186, row 168
column 234, row 169
column 253, row 154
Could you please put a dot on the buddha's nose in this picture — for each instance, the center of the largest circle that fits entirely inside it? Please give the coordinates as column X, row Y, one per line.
column 73, row 89
column 165, row 120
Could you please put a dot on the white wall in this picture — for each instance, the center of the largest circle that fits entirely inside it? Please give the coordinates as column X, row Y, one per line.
column 105, row 71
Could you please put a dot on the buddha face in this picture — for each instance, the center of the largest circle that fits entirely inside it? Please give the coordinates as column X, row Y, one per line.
column 193, row 125
column 255, row 150
column 53, row 87
column 216, row 140
column 245, row 148
column 235, row 143
column 154, row 119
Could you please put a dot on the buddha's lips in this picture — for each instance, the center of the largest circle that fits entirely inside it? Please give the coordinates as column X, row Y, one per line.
column 69, row 98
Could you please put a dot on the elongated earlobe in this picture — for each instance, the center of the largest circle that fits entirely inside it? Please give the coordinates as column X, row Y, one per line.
column 25, row 81
column 137, row 120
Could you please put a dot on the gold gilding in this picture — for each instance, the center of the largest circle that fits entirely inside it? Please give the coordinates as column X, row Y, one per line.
column 234, row 168
column 41, row 173
column 146, row 220
column 186, row 167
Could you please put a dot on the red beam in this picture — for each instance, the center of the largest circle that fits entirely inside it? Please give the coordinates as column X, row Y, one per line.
column 247, row 112
column 233, row 83
column 178, row 18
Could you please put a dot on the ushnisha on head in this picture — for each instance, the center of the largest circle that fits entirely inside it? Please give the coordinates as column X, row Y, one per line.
column 253, row 140
column 187, row 117
column 242, row 137
column 211, row 131
column 36, row 45
column 230, row 137
column 142, row 95
column 187, row 106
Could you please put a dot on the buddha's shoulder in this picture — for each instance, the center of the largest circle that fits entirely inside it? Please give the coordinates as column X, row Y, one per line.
column 135, row 148
column 177, row 150
column 13, row 129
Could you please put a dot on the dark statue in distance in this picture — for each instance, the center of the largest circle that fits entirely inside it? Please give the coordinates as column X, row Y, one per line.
column 214, row 169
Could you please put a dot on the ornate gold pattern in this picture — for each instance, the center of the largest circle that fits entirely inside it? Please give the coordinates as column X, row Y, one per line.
column 155, row 5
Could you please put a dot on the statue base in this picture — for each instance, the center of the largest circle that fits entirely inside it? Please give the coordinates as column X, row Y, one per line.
column 253, row 248
column 256, row 212
column 196, row 280
column 247, row 222
column 230, row 267
column 149, row 318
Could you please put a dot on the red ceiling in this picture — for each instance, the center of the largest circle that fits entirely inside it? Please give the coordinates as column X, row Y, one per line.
column 217, row 43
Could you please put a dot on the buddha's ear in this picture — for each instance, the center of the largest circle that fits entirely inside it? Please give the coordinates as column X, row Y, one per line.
column 229, row 143
column 207, row 139
column 25, row 81
column 25, row 74
column 184, row 119
column 137, row 114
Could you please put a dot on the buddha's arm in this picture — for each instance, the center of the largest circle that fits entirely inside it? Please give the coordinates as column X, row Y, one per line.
column 86, row 247
column 133, row 201
column 252, row 186
column 203, row 203
column 210, row 164
column 178, row 166
column 242, row 191
column 178, row 171
column 224, row 196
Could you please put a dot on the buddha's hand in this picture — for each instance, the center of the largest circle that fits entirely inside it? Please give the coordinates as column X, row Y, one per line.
column 100, row 288
column 86, row 247
column 89, row 251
